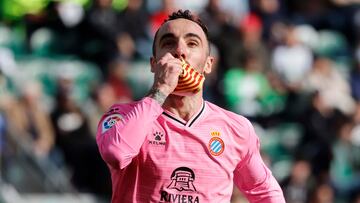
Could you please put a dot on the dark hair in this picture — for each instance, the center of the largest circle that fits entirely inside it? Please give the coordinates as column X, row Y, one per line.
column 185, row 15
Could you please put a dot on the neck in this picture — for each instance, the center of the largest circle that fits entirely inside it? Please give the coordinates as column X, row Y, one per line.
column 183, row 106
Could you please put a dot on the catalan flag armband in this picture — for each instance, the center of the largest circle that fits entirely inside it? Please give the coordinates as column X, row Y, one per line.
column 190, row 81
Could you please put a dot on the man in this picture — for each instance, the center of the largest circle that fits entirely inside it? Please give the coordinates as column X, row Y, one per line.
column 174, row 148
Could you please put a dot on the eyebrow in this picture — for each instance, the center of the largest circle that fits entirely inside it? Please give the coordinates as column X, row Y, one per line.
column 171, row 35
column 166, row 36
column 189, row 35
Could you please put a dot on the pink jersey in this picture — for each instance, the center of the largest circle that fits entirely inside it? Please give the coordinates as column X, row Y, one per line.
column 154, row 156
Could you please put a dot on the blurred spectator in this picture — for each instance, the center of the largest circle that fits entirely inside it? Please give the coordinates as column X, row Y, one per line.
column 250, row 30
column 103, row 20
column 323, row 193
column 247, row 90
column 298, row 185
column 236, row 10
column 346, row 163
column 292, row 61
column 99, row 31
column 355, row 75
column 74, row 138
column 319, row 134
column 61, row 20
column 307, row 10
column 214, row 17
column 269, row 12
column 135, row 21
column 276, row 34
column 159, row 16
column 222, row 33
column 29, row 120
column 126, row 47
column 333, row 14
column 117, row 79
column 212, row 90
column 331, row 85
column 70, row 13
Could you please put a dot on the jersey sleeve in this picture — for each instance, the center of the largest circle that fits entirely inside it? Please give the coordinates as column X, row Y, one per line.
column 123, row 129
column 253, row 177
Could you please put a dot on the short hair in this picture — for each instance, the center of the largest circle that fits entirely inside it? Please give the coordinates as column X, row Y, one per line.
column 185, row 15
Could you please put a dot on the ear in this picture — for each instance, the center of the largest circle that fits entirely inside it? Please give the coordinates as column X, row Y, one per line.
column 152, row 63
column 208, row 64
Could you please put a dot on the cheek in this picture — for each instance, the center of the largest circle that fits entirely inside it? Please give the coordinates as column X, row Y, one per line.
column 201, row 63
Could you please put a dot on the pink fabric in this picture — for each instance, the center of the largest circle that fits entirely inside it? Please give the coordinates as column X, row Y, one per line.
column 155, row 157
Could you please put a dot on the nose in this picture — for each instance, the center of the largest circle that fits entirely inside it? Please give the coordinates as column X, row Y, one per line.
column 180, row 51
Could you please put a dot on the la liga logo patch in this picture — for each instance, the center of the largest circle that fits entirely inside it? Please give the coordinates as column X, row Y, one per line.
column 110, row 121
column 216, row 145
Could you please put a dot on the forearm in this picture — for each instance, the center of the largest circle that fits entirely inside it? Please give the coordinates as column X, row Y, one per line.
column 120, row 143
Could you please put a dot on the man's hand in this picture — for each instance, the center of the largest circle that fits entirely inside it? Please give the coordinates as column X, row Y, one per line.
column 166, row 76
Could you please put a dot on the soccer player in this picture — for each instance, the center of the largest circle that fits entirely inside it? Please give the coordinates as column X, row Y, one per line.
column 173, row 146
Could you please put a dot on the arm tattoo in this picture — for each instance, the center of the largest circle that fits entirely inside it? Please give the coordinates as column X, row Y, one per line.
column 157, row 95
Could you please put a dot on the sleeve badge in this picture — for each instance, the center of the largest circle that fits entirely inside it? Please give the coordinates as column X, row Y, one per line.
column 110, row 121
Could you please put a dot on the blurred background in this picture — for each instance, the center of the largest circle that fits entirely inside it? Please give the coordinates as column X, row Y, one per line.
column 292, row 67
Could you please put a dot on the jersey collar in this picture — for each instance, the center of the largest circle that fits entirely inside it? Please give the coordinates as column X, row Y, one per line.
column 189, row 123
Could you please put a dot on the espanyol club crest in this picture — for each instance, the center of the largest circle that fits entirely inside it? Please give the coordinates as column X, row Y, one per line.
column 216, row 145
column 110, row 121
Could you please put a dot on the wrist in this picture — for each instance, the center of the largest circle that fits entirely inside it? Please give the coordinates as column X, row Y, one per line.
column 158, row 95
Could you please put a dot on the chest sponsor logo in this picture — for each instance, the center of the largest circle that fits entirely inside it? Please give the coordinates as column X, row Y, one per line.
column 158, row 138
column 216, row 145
column 110, row 121
column 182, row 179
